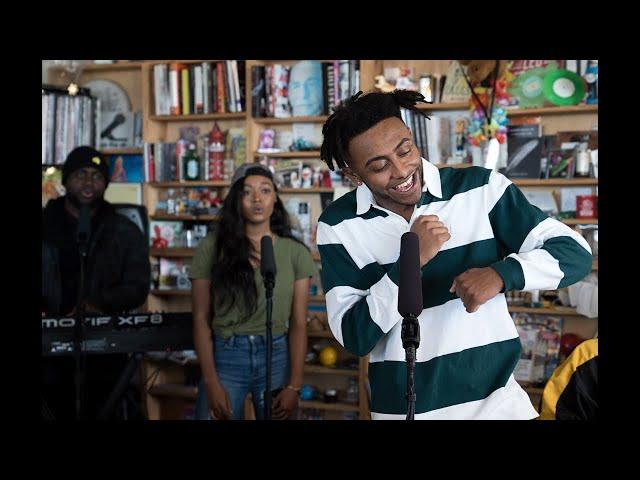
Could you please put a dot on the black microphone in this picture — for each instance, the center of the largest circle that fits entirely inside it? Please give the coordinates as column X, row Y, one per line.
column 410, row 306
column 267, row 261
column 84, row 226
column 410, row 285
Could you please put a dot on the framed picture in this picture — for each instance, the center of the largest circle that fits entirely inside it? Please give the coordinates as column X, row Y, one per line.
column 126, row 168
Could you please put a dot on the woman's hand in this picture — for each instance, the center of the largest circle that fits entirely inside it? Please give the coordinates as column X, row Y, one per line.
column 284, row 404
column 218, row 401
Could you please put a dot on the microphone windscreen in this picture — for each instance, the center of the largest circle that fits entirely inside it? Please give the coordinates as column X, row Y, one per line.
column 410, row 285
column 84, row 223
column 267, row 258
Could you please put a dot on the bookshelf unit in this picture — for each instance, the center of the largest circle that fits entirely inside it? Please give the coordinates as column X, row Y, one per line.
column 136, row 77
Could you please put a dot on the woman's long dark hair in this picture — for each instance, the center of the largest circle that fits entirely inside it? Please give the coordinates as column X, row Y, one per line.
column 232, row 274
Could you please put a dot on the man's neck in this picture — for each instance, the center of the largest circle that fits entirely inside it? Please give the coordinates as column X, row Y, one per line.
column 405, row 211
column 75, row 211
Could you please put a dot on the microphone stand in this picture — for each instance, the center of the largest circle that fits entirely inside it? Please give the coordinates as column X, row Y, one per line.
column 269, row 282
column 78, row 347
column 410, row 335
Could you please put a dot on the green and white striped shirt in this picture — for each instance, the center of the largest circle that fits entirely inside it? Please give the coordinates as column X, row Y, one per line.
column 465, row 361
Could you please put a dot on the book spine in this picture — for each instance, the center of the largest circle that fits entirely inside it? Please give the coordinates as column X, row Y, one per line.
column 184, row 80
column 157, row 89
column 221, row 89
column 174, row 87
column 199, row 94
column 206, row 88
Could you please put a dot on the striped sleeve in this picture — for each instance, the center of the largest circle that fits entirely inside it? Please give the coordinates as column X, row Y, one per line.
column 539, row 252
column 361, row 302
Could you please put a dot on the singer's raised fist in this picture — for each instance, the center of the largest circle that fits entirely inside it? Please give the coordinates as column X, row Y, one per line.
column 432, row 234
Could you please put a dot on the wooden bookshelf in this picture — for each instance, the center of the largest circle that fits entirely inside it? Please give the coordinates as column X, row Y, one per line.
column 171, row 293
column 454, row 165
column 112, row 67
column 340, row 407
column 445, row 106
column 284, row 121
column 122, row 151
column 306, row 190
column 553, row 182
column 183, row 218
column 553, row 110
column 347, row 372
column 197, row 117
column 517, row 112
column 172, row 252
column 546, row 311
column 579, row 221
column 594, row 265
column 287, row 154
column 214, row 184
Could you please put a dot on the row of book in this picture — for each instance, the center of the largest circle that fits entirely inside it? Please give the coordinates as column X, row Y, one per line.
column 202, row 88
column 67, row 122
column 270, row 92
column 432, row 136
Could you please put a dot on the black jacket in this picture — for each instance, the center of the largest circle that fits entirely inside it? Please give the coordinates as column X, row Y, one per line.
column 118, row 270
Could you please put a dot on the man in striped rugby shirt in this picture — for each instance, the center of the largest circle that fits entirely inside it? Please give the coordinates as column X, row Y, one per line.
column 479, row 238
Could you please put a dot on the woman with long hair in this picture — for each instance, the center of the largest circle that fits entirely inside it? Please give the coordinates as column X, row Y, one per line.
column 229, row 305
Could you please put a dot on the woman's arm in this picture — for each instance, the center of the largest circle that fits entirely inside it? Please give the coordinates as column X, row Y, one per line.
column 201, row 308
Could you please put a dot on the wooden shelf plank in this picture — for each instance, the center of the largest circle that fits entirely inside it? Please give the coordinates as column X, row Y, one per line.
column 172, row 252
column 171, row 293
column 182, row 218
column 517, row 112
column 188, row 62
column 198, row 117
column 553, row 110
column 122, row 65
column 454, row 165
column 276, row 121
column 122, row 151
column 341, row 407
column 579, row 221
column 287, row 154
column 347, row 372
column 172, row 390
column 306, row 190
column 444, row 106
column 561, row 182
column 546, row 311
column 189, row 184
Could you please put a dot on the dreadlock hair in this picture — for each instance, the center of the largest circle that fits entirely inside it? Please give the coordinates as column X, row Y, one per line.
column 358, row 114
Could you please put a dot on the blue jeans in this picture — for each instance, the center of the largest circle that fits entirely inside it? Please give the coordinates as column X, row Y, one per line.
column 241, row 367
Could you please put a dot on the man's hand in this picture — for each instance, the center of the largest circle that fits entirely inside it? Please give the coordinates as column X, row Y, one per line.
column 432, row 234
column 477, row 286
column 284, row 404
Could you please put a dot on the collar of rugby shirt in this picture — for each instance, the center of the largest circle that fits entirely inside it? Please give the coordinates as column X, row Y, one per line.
column 431, row 180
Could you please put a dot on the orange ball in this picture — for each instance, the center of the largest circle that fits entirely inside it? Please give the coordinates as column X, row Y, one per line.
column 328, row 356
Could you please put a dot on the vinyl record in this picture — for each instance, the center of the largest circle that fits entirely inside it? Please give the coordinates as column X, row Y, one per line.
column 563, row 87
column 528, row 88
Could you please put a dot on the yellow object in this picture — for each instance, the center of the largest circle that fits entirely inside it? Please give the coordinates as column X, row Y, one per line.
column 96, row 160
column 328, row 356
